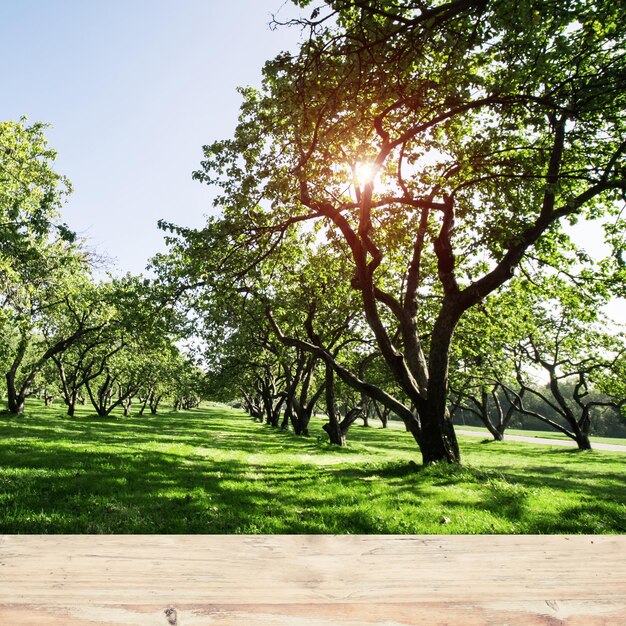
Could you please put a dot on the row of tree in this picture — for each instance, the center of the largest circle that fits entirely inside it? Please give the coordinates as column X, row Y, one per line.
column 392, row 236
column 394, row 213
column 542, row 348
column 65, row 334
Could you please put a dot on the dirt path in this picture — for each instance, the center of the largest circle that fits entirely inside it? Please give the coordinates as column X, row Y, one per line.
column 613, row 447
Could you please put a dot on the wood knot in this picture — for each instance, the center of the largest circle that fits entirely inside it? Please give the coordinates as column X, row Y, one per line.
column 172, row 616
column 553, row 604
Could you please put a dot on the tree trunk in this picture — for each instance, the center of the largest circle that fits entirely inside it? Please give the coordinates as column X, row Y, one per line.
column 581, row 430
column 144, row 404
column 15, row 400
column 154, row 404
column 332, row 427
column 286, row 416
column 365, row 403
column 485, row 416
column 496, row 433
column 582, row 440
column 383, row 415
column 300, row 418
column 305, row 419
column 437, row 439
column 351, row 416
column 276, row 411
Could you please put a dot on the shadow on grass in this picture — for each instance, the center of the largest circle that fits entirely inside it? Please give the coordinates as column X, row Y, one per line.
column 200, row 472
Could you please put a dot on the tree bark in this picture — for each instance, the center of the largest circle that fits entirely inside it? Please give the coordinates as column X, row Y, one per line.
column 351, row 416
column 154, row 404
column 439, row 441
column 16, row 399
column 332, row 427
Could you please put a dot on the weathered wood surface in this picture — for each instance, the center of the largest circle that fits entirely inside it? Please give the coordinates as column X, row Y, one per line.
column 312, row 580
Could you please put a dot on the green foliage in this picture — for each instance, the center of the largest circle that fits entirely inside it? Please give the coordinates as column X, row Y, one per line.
column 485, row 127
column 31, row 194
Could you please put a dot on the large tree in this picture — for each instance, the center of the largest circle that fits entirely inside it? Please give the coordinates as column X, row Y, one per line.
column 440, row 142
column 41, row 314
column 39, row 261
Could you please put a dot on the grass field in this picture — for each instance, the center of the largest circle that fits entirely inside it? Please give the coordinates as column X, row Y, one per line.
column 544, row 434
column 213, row 470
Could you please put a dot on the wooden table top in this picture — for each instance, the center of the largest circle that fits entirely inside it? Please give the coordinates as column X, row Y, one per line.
column 319, row 580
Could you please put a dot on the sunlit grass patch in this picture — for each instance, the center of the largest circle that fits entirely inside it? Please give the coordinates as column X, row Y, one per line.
column 214, row 470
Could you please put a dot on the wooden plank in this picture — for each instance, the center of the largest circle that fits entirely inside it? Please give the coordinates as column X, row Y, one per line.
column 312, row 580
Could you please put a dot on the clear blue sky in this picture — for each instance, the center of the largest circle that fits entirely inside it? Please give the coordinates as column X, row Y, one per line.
column 133, row 89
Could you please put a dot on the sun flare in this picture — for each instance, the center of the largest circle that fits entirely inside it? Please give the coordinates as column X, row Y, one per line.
column 365, row 173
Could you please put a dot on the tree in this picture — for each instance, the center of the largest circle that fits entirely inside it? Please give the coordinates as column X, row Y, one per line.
column 571, row 347
column 39, row 307
column 141, row 328
column 161, row 373
column 441, row 143
column 38, row 256
column 482, row 360
column 86, row 358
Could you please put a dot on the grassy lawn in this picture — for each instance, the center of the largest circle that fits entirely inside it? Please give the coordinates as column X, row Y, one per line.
column 543, row 434
column 215, row 471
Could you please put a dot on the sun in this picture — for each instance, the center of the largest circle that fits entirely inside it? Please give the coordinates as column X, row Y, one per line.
column 365, row 173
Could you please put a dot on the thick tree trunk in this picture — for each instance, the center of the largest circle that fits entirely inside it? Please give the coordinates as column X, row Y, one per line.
column 437, row 438
column 15, row 400
column 493, row 430
column 581, row 431
column 300, row 419
column 582, row 440
column 304, row 421
column 583, row 428
column 333, row 430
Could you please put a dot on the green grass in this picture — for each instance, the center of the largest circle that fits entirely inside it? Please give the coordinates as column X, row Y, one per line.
column 213, row 470
column 543, row 434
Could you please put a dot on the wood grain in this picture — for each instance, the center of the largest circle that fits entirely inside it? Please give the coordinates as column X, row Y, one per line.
column 312, row 580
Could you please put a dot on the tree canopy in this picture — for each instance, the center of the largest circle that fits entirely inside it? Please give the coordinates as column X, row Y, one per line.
column 439, row 145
